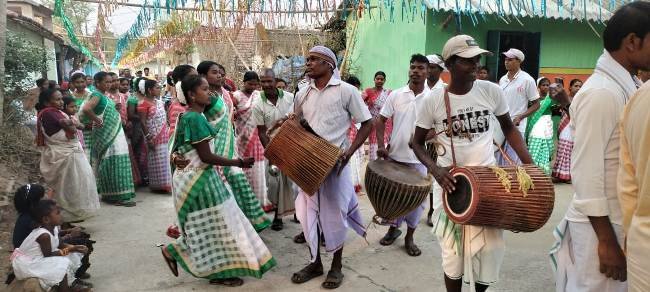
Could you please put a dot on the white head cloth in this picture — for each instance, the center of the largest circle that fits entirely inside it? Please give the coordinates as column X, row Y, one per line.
column 179, row 93
column 435, row 59
column 329, row 57
column 141, row 87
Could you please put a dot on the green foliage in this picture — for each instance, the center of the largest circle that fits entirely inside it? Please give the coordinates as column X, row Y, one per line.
column 23, row 58
column 78, row 12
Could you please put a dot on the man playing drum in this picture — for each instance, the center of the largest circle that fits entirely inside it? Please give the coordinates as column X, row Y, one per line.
column 401, row 105
column 478, row 253
column 328, row 105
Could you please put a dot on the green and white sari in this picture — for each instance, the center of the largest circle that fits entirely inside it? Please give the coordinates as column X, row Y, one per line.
column 540, row 133
column 109, row 153
column 219, row 114
column 217, row 241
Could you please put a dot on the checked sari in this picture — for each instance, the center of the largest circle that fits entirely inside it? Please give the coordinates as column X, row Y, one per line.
column 109, row 153
column 157, row 152
column 217, row 241
column 219, row 114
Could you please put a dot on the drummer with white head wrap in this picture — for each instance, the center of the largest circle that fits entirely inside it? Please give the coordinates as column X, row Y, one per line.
column 328, row 105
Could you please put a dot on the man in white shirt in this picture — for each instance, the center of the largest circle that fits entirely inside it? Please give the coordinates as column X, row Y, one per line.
column 273, row 105
column 436, row 67
column 521, row 93
column 471, row 103
column 328, row 105
column 588, row 254
column 401, row 105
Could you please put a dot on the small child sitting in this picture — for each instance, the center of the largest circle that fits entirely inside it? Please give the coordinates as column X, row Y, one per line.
column 41, row 255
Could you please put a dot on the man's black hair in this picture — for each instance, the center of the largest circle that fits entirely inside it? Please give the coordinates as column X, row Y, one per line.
column 354, row 81
column 419, row 58
column 631, row 18
column 40, row 82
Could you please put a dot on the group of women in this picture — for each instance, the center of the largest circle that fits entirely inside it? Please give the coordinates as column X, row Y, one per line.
column 548, row 134
column 88, row 141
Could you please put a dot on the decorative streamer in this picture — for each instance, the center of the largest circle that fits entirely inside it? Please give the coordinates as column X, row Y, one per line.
column 69, row 28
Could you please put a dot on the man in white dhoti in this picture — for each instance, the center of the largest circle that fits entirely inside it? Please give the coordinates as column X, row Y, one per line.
column 328, row 105
column 588, row 254
column 471, row 252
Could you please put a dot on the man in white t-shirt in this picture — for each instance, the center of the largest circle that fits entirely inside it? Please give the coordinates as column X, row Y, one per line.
column 401, row 105
column 436, row 67
column 471, row 103
column 521, row 94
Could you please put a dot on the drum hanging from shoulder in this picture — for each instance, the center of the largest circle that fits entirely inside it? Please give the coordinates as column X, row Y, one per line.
column 304, row 157
column 395, row 189
column 516, row 198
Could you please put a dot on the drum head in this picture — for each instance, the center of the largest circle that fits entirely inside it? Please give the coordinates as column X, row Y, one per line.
column 460, row 199
column 397, row 172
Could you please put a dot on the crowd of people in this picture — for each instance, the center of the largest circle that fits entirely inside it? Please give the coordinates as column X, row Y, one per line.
column 107, row 134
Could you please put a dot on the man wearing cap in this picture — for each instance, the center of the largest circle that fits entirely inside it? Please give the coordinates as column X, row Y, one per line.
column 475, row 256
column 328, row 105
column 521, row 94
column 436, row 67
column 401, row 105
column 588, row 254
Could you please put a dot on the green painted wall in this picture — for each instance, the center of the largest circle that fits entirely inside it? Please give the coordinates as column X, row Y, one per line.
column 566, row 44
column 386, row 46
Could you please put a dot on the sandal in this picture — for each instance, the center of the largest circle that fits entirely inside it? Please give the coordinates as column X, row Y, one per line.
column 390, row 237
column 125, row 203
column 307, row 273
column 277, row 224
column 333, row 280
column 228, row 282
column 80, row 288
column 171, row 263
column 300, row 238
column 82, row 283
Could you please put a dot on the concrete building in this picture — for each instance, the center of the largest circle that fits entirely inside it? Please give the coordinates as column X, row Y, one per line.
column 34, row 21
column 563, row 40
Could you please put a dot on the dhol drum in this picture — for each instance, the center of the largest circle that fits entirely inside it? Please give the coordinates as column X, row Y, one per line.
column 303, row 156
column 395, row 189
column 516, row 198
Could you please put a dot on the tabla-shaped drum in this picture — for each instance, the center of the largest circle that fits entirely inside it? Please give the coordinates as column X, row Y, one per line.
column 304, row 157
column 395, row 189
column 500, row 197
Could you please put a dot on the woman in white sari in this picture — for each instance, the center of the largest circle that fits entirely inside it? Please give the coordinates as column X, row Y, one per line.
column 63, row 163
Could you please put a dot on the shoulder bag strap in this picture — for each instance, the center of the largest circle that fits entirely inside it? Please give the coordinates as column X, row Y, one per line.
column 450, row 131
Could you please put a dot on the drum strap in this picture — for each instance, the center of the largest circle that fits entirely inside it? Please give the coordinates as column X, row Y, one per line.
column 450, row 130
column 298, row 107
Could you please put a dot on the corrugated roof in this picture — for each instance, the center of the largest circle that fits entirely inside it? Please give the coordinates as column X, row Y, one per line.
column 594, row 10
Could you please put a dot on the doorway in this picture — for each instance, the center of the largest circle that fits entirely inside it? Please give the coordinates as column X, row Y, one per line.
column 500, row 41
